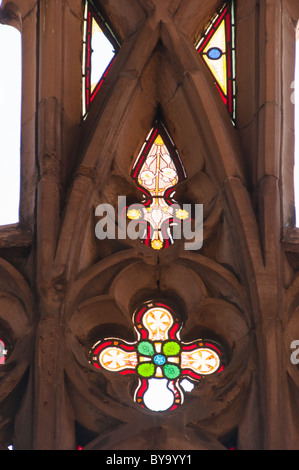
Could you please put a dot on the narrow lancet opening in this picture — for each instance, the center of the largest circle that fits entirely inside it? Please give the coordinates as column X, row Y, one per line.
column 10, row 123
column 100, row 47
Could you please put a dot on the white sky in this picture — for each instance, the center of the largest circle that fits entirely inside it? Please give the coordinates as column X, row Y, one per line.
column 10, row 103
column 103, row 52
column 296, row 170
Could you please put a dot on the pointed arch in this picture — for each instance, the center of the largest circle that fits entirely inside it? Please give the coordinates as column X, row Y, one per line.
column 198, row 98
column 156, row 172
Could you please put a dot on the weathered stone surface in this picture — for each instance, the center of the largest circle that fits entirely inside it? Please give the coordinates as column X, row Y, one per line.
column 62, row 289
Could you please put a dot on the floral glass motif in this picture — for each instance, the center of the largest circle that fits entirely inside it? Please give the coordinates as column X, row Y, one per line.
column 3, row 352
column 157, row 170
column 99, row 49
column 217, row 48
column 165, row 366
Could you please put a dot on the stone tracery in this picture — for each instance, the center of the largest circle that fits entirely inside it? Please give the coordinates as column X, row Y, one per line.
column 73, row 286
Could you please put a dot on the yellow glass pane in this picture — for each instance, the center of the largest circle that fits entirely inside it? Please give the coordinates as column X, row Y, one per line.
column 158, row 321
column 218, row 67
column 203, row 361
column 115, row 359
column 158, row 171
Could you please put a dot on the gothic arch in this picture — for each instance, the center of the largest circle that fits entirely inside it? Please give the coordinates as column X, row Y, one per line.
column 65, row 289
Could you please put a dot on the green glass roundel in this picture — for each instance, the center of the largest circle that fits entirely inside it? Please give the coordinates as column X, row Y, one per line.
column 171, row 348
column 146, row 348
column 146, row 370
column 171, row 371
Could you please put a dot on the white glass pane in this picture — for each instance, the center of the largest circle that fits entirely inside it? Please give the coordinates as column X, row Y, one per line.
column 10, row 113
column 158, row 396
column 103, row 53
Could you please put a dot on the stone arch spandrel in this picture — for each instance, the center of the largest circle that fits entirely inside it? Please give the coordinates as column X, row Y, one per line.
column 97, row 279
column 126, row 16
column 221, row 282
column 11, row 15
column 14, row 283
column 192, row 17
column 16, row 326
column 23, row 6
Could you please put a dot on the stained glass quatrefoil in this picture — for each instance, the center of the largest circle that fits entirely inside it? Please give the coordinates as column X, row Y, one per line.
column 165, row 366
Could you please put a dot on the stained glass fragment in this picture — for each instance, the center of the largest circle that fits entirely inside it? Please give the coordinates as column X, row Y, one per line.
column 217, row 48
column 100, row 46
column 157, row 170
column 165, row 366
column 3, row 352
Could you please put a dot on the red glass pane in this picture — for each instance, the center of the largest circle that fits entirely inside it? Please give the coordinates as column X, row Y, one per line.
column 3, row 352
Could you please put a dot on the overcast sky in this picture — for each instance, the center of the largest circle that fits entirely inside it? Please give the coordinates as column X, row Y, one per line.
column 10, row 102
column 296, row 173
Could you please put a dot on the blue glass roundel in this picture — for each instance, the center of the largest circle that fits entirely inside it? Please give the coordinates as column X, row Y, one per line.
column 159, row 359
column 214, row 53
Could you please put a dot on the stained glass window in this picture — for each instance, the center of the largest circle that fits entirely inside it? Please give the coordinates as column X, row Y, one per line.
column 165, row 366
column 157, row 170
column 100, row 46
column 3, row 352
column 217, row 48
